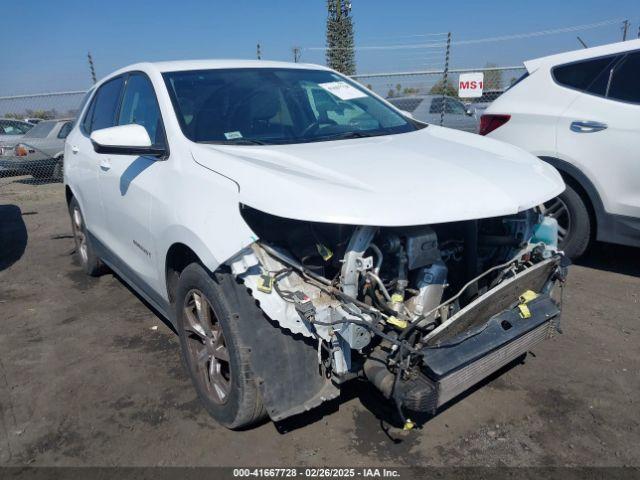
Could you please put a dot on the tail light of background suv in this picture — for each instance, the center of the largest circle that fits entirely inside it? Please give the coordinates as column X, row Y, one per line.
column 489, row 122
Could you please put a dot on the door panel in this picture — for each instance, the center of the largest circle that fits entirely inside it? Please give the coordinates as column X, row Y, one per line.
column 100, row 114
column 129, row 185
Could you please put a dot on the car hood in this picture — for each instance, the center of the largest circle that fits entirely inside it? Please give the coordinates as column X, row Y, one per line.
column 432, row 175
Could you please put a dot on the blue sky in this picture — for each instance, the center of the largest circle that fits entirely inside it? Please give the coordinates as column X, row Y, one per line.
column 45, row 42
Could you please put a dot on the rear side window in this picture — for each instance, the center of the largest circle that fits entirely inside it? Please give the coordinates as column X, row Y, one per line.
column 103, row 108
column 589, row 76
column 140, row 106
column 65, row 129
column 407, row 104
column 41, row 130
column 624, row 82
column 451, row 106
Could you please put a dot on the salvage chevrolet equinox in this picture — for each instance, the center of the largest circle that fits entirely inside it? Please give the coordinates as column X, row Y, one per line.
column 299, row 232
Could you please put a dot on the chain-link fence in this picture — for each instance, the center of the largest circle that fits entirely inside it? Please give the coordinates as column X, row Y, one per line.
column 33, row 129
column 432, row 100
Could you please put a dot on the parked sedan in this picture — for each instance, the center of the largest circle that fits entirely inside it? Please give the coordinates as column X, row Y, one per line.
column 428, row 109
column 40, row 150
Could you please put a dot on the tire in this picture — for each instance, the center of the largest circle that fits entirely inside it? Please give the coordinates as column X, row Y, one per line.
column 91, row 264
column 213, row 350
column 57, row 172
column 574, row 222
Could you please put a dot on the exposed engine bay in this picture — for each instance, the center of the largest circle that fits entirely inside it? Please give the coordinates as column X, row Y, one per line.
column 422, row 312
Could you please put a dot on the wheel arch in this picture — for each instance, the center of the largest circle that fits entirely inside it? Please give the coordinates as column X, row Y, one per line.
column 583, row 186
column 178, row 257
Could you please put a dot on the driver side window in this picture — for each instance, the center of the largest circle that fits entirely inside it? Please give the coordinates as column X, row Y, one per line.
column 140, row 107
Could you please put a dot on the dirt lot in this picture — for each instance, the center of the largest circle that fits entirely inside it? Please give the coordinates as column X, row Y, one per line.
column 90, row 376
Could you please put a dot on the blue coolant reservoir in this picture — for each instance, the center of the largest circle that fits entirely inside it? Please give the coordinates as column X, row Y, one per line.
column 546, row 232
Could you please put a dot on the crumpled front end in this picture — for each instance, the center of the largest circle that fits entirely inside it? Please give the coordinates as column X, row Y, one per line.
column 422, row 312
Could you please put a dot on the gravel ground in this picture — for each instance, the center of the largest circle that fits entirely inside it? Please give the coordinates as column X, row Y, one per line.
column 90, row 376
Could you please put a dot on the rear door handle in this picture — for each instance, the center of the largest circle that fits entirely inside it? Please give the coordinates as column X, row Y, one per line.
column 75, row 149
column 105, row 164
column 587, row 126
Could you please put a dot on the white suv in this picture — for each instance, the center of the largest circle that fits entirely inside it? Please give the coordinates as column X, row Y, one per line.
column 298, row 231
column 580, row 112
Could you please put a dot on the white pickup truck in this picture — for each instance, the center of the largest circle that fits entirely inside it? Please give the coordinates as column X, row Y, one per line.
column 298, row 232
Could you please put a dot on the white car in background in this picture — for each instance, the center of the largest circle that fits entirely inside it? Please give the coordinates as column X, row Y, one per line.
column 580, row 112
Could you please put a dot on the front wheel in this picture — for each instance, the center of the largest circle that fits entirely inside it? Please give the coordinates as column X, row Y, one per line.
column 214, row 351
column 574, row 222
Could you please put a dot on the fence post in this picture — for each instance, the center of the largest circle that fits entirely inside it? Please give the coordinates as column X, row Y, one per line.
column 445, row 78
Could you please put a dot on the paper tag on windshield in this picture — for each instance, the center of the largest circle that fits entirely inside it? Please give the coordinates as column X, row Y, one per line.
column 342, row 90
column 232, row 135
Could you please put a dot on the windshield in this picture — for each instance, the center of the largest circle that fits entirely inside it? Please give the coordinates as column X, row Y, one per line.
column 10, row 127
column 277, row 106
column 41, row 130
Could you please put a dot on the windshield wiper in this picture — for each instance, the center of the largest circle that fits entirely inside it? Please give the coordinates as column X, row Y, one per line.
column 239, row 141
column 346, row 135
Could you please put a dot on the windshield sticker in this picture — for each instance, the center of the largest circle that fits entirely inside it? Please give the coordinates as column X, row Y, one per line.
column 232, row 135
column 342, row 90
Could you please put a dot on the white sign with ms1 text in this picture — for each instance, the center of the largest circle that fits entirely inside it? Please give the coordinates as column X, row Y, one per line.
column 470, row 85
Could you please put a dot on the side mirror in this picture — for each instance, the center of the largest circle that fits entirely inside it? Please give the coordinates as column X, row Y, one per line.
column 470, row 112
column 125, row 140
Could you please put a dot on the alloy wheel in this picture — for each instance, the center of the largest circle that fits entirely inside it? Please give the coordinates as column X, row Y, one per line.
column 206, row 347
column 79, row 235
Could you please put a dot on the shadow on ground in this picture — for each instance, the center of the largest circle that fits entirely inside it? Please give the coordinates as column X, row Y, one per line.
column 37, row 181
column 13, row 235
column 612, row 258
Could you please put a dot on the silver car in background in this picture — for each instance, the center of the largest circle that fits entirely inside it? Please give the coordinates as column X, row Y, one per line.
column 11, row 131
column 39, row 152
column 428, row 109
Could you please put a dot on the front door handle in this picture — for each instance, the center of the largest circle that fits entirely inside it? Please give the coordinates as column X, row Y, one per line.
column 75, row 149
column 105, row 164
column 587, row 126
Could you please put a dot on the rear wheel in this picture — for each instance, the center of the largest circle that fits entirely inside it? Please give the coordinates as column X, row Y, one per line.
column 214, row 352
column 89, row 261
column 574, row 222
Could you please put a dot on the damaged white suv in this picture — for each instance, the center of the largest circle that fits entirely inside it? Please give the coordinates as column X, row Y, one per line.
column 298, row 232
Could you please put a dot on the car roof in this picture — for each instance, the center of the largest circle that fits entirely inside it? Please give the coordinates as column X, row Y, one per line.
column 583, row 54
column 186, row 65
column 15, row 120
column 56, row 120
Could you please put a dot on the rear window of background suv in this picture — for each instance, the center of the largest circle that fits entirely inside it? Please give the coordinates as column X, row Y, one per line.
column 608, row 76
column 588, row 75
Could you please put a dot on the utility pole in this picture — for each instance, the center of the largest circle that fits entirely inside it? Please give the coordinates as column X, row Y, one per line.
column 258, row 52
column 296, row 54
column 91, row 68
column 625, row 30
column 445, row 78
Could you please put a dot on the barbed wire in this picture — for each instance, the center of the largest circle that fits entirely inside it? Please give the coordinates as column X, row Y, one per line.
column 517, row 36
